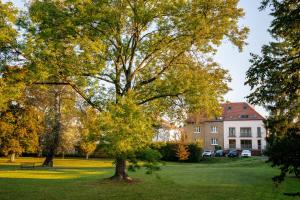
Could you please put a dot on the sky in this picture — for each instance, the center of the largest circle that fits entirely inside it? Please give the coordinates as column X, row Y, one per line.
column 238, row 62
column 229, row 56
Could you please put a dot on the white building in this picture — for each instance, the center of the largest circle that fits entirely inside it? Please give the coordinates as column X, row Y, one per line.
column 243, row 127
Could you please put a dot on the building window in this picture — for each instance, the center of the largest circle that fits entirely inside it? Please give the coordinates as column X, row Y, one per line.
column 214, row 141
column 232, row 144
column 213, row 129
column 231, row 131
column 244, row 116
column 245, row 132
column 259, row 144
column 197, row 129
column 229, row 108
column 258, row 132
column 246, row 144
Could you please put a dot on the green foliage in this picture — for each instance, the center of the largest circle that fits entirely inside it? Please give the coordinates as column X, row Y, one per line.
column 195, row 152
column 150, row 160
column 89, row 131
column 284, row 152
column 8, row 34
column 275, row 82
column 10, row 76
column 125, row 128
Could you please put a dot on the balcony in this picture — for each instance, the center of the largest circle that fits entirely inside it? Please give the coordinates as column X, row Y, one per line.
column 231, row 135
column 245, row 135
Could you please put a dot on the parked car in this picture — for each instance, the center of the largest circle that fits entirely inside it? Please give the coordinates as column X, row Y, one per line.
column 207, row 153
column 219, row 153
column 233, row 153
column 246, row 153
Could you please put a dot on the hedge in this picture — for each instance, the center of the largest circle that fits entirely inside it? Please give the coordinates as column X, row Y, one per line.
column 168, row 151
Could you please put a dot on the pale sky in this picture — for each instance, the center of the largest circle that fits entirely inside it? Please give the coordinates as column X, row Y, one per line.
column 229, row 57
column 238, row 62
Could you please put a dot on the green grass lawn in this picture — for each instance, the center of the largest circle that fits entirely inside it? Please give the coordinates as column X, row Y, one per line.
column 84, row 179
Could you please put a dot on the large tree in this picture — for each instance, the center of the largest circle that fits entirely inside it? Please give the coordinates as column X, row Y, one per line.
column 133, row 60
column 20, row 126
column 274, row 78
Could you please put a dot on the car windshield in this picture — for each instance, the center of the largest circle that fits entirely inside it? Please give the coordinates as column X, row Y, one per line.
column 207, row 151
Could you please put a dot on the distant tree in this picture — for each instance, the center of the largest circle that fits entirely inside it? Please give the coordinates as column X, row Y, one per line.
column 69, row 138
column 274, row 78
column 134, row 61
column 19, row 130
column 89, row 131
column 87, row 146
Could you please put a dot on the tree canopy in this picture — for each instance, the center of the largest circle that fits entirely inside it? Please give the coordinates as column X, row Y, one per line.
column 135, row 61
column 274, row 78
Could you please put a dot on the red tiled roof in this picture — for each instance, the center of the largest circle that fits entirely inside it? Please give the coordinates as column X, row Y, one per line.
column 239, row 111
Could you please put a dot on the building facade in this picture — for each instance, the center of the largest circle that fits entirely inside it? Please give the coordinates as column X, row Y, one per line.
column 243, row 127
column 208, row 132
column 240, row 127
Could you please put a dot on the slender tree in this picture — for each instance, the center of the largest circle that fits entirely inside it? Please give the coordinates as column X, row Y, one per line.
column 182, row 149
column 133, row 60
column 274, row 78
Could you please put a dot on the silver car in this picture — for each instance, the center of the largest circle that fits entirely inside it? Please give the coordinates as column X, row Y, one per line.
column 246, row 153
column 207, row 153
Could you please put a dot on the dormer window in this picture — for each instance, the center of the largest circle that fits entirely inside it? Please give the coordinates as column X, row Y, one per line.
column 245, row 107
column 244, row 116
column 229, row 108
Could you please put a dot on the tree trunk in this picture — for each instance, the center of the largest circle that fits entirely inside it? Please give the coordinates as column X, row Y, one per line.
column 12, row 157
column 87, row 156
column 54, row 142
column 120, row 171
column 63, row 155
column 49, row 160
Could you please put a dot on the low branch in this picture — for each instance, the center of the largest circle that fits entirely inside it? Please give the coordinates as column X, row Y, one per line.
column 162, row 71
column 161, row 96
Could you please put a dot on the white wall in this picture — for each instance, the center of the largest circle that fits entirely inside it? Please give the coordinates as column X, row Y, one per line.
column 167, row 135
column 253, row 124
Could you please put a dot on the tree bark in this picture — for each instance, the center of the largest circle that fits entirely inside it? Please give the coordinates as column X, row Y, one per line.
column 120, row 171
column 87, row 156
column 12, row 157
column 49, row 160
column 54, row 142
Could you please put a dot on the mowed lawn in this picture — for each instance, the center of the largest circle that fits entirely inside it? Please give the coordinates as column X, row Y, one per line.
column 219, row 179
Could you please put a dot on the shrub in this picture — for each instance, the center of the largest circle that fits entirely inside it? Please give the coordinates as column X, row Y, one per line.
column 195, row 152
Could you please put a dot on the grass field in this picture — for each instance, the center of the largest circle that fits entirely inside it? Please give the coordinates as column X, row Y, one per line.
column 245, row 179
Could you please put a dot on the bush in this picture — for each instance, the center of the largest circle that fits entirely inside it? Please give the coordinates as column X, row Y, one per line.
column 195, row 152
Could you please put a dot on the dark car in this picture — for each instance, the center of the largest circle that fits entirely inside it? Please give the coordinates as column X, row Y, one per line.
column 233, row 153
column 219, row 153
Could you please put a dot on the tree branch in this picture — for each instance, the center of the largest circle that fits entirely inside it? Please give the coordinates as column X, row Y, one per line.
column 161, row 96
